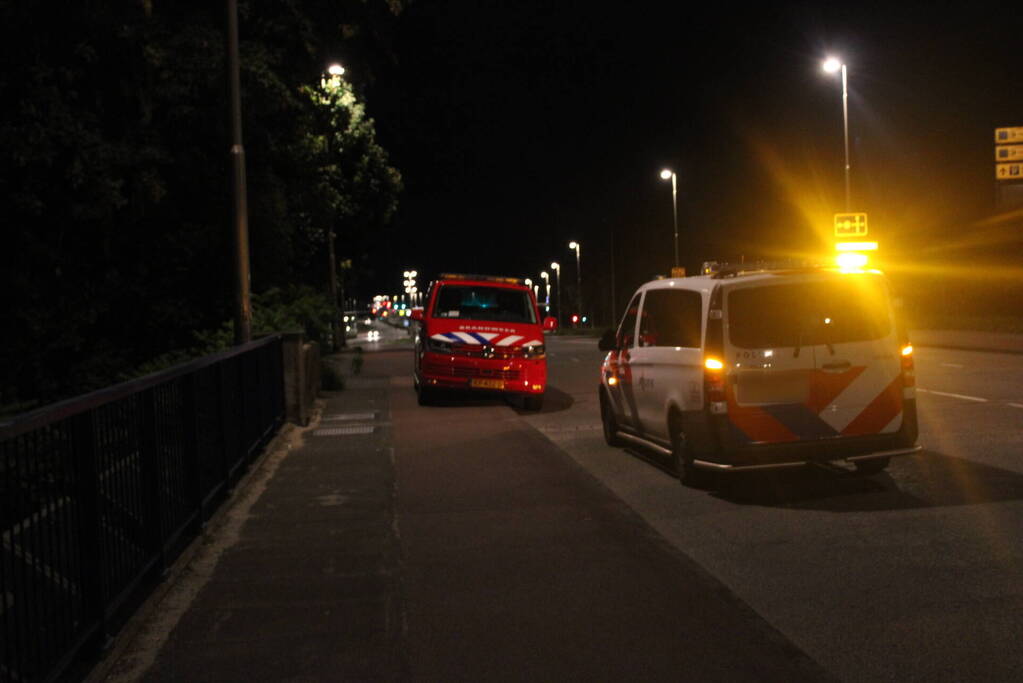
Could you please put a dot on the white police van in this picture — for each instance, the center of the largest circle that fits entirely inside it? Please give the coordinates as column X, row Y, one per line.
column 749, row 369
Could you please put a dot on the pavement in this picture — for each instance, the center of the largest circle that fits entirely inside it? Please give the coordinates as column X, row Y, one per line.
column 322, row 568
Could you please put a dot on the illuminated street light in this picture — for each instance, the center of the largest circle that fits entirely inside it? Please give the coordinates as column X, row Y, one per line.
column 665, row 175
column 336, row 69
column 547, row 298
column 832, row 65
column 578, row 277
column 556, row 267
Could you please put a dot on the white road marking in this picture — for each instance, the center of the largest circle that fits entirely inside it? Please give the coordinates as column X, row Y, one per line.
column 951, row 365
column 1016, row 405
column 950, row 395
column 574, row 359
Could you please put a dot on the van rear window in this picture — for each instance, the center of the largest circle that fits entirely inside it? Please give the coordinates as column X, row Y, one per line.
column 467, row 302
column 824, row 312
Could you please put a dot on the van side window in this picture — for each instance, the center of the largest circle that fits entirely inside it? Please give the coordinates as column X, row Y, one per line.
column 628, row 326
column 671, row 317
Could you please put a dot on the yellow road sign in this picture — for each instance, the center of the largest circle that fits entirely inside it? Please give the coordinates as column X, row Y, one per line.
column 850, row 224
column 1009, row 136
column 1009, row 153
column 1009, row 171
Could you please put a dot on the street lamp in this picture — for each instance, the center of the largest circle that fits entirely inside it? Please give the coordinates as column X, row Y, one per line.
column 547, row 297
column 556, row 267
column 578, row 277
column 832, row 65
column 665, row 175
column 335, row 70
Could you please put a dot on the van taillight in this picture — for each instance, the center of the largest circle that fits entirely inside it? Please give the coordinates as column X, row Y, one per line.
column 908, row 370
column 714, row 380
column 713, row 361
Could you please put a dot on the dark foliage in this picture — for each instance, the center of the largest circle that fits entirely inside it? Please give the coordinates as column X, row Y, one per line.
column 115, row 181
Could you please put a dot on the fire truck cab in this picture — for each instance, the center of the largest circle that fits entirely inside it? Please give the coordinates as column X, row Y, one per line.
column 481, row 333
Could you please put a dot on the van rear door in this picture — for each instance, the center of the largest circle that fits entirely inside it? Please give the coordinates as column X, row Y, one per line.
column 770, row 362
column 857, row 356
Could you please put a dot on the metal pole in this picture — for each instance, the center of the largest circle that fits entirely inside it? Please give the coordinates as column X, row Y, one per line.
column 558, row 271
column 339, row 334
column 578, row 284
column 613, row 316
column 674, row 214
column 845, row 127
column 243, row 303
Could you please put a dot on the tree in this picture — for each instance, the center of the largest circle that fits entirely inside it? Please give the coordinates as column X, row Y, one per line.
column 114, row 178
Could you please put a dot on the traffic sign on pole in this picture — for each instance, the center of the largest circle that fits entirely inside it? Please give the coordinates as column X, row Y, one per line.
column 1009, row 136
column 1009, row 153
column 850, row 225
column 1009, row 171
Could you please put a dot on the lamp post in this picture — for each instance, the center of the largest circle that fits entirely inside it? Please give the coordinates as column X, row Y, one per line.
column 832, row 65
column 665, row 175
column 578, row 278
column 556, row 267
column 243, row 298
column 547, row 297
column 335, row 70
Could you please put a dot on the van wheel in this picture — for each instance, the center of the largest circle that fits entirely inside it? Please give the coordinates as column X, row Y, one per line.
column 533, row 403
column 424, row 396
column 872, row 466
column 682, row 458
column 610, row 424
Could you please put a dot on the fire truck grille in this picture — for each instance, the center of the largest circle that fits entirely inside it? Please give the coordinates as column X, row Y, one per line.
column 469, row 372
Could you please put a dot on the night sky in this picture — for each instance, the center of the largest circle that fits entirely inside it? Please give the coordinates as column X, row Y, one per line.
column 519, row 126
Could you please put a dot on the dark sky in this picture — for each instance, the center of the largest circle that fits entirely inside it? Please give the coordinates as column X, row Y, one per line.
column 519, row 126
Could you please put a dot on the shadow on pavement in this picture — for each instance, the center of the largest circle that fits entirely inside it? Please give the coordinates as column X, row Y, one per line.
column 928, row 479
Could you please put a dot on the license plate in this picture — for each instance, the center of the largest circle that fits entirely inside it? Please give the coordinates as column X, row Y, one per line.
column 486, row 383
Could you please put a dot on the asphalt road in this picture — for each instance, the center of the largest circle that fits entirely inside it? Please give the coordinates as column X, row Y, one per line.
column 913, row 574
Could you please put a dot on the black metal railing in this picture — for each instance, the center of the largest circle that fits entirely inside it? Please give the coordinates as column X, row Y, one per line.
column 100, row 493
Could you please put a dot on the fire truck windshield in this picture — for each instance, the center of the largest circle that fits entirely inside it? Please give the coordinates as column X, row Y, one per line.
column 479, row 302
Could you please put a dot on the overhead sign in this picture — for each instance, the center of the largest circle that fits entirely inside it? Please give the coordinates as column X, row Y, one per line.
column 1009, row 171
column 1009, row 136
column 850, row 224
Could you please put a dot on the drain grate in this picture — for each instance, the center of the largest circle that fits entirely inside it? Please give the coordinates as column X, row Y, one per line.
column 345, row 431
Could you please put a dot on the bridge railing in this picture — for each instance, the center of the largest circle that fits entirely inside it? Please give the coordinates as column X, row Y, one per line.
column 100, row 493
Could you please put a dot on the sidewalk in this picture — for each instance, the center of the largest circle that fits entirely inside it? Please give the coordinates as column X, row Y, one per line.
column 299, row 579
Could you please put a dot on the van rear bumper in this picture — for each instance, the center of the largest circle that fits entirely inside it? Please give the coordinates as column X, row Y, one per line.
column 712, row 448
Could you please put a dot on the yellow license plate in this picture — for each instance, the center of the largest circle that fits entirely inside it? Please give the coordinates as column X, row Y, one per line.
column 486, row 383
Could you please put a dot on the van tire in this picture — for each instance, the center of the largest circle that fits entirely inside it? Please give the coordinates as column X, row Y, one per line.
column 533, row 403
column 872, row 466
column 608, row 421
column 424, row 396
column 682, row 457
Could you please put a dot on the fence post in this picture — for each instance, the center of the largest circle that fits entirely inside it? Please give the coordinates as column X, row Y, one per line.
column 190, row 446
column 151, row 466
column 90, row 541
column 225, row 468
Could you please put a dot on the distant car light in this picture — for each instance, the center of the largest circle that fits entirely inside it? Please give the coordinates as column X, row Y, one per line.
column 713, row 364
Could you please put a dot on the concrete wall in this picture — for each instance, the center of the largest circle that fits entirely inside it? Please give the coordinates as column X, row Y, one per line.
column 301, row 377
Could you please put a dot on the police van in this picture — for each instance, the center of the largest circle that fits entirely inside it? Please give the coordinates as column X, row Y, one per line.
column 481, row 333
column 751, row 368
